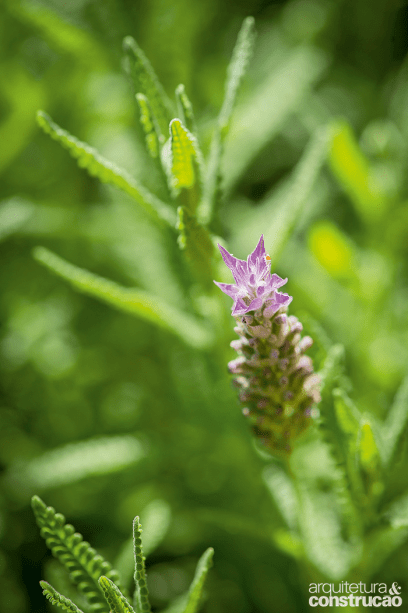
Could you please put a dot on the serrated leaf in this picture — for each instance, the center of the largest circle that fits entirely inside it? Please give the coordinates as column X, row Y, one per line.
column 235, row 73
column 114, row 597
column 321, row 526
column 197, row 585
column 136, row 302
column 260, row 119
column 141, row 597
column 58, row 599
column 80, row 560
column 185, row 109
column 352, row 170
column 348, row 416
column 185, row 165
column 146, row 81
column 156, row 522
column 97, row 166
column 148, row 121
column 76, row 461
column 283, row 492
column 395, row 424
column 196, row 242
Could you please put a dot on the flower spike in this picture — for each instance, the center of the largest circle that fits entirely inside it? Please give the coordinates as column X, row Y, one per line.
column 275, row 379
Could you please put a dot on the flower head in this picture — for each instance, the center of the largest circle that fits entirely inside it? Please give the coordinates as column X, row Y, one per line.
column 254, row 286
column 274, row 376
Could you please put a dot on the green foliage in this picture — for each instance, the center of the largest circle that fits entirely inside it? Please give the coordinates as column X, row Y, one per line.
column 148, row 123
column 116, row 600
column 235, row 73
column 197, row 586
column 105, row 171
column 395, row 424
column 58, row 599
column 145, row 80
column 113, row 415
column 141, row 596
column 136, row 302
column 185, row 167
column 77, row 556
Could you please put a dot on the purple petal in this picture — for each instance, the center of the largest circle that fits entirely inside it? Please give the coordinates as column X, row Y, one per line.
column 276, row 281
column 255, row 304
column 283, row 299
column 258, row 252
column 240, row 308
column 231, row 262
column 230, row 290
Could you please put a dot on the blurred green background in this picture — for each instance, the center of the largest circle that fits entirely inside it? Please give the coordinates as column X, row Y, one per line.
column 106, row 416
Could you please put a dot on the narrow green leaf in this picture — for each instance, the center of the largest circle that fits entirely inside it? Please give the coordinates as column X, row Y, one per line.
column 196, row 242
column 58, row 599
column 136, row 302
column 283, row 492
column 185, row 165
column 80, row 560
column 145, row 80
column 196, row 589
column 235, row 73
column 88, row 158
column 156, row 522
column 114, row 597
column 148, row 124
column 260, row 118
column 141, row 597
column 397, row 514
column 321, row 526
column 77, row 461
column 185, row 109
column 353, row 172
column 395, row 424
column 332, row 368
column 291, row 201
column 348, row 416
column 368, row 448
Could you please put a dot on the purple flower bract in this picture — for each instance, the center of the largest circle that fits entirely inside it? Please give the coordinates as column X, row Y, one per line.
column 255, row 287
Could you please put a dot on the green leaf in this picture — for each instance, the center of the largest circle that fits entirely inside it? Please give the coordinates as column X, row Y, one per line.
column 145, row 80
column 141, row 597
column 196, row 242
column 260, row 119
column 352, row 170
column 80, row 560
column 235, row 73
column 197, row 585
column 76, row 461
column 395, row 424
column 185, row 165
column 289, row 204
column 136, row 302
column 368, row 449
column 156, row 522
column 148, row 124
column 378, row 546
column 114, row 597
column 58, row 599
column 397, row 514
column 283, row 492
column 185, row 109
column 87, row 157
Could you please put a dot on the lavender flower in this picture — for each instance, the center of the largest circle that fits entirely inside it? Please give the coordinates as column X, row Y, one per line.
column 275, row 379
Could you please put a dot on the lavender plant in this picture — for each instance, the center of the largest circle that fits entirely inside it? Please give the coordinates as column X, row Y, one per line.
column 339, row 521
column 94, row 576
column 274, row 376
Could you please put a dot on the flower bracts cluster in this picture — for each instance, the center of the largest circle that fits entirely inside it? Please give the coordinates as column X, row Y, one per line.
column 274, row 376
